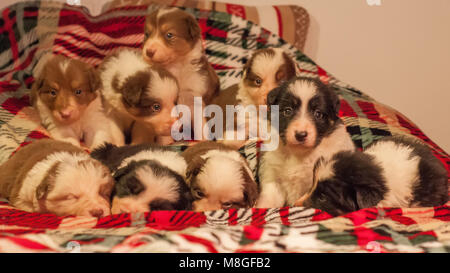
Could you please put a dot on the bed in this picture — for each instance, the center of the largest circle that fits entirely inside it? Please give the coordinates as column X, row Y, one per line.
column 30, row 29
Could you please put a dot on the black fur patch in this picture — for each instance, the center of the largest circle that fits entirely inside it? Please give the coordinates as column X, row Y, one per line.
column 126, row 182
column 357, row 183
column 112, row 156
column 432, row 187
column 325, row 101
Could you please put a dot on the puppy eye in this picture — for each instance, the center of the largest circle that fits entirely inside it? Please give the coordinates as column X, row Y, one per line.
column 156, row 107
column 169, row 35
column 198, row 194
column 258, row 81
column 287, row 112
column 71, row 197
column 78, row 92
column 318, row 114
column 322, row 198
column 227, row 205
column 53, row 93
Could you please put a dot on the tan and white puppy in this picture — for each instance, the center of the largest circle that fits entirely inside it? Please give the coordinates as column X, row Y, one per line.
column 49, row 176
column 66, row 95
column 173, row 40
column 309, row 128
column 265, row 70
column 136, row 92
column 219, row 177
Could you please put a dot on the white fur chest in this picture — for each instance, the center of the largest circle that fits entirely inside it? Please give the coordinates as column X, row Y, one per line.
column 295, row 176
column 286, row 174
column 189, row 78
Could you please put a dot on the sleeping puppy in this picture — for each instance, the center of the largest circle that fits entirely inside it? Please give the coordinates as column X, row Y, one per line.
column 136, row 92
column 219, row 177
column 49, row 176
column 266, row 69
column 309, row 128
column 147, row 178
column 173, row 40
column 66, row 95
column 392, row 172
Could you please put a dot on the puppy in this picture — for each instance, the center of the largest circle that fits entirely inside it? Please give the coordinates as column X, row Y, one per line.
column 219, row 177
column 309, row 128
column 49, row 176
column 392, row 172
column 66, row 96
column 173, row 40
column 265, row 70
column 136, row 92
column 147, row 178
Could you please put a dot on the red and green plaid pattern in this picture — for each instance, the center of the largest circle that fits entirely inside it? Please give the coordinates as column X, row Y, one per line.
column 30, row 30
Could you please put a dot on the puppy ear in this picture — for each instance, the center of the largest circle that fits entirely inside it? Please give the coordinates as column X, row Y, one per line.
column 117, row 175
column 94, row 79
column 103, row 152
column 186, row 198
column 131, row 185
column 132, row 94
column 134, row 186
column 47, row 183
column 335, row 101
column 247, row 66
column 42, row 190
column 250, row 189
column 194, row 30
column 34, row 93
column 134, row 86
column 194, row 168
column 272, row 97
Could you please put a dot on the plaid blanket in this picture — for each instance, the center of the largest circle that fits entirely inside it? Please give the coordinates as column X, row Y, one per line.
column 29, row 30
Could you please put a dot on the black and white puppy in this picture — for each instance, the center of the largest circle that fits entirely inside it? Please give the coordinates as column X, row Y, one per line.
column 309, row 128
column 147, row 178
column 392, row 172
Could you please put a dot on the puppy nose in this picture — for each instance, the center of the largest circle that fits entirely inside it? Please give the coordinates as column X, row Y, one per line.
column 300, row 136
column 96, row 212
column 150, row 52
column 65, row 113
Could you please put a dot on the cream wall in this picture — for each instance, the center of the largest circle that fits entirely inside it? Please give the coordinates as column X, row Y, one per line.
column 397, row 52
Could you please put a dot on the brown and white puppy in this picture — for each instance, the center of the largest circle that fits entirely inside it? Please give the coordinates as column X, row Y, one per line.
column 309, row 128
column 66, row 95
column 219, row 177
column 173, row 40
column 147, row 177
column 265, row 70
column 49, row 176
column 135, row 91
